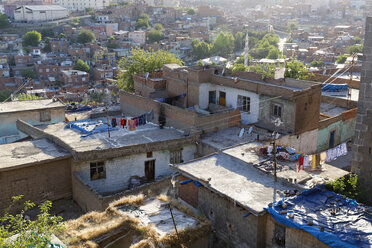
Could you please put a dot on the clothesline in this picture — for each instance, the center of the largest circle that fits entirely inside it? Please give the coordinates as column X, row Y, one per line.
column 131, row 123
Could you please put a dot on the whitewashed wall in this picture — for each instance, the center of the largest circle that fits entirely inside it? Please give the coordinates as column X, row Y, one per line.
column 231, row 100
column 119, row 170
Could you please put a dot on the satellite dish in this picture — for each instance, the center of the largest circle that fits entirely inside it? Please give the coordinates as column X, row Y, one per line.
column 241, row 133
column 277, row 122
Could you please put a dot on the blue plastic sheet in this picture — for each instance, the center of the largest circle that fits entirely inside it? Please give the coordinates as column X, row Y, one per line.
column 345, row 222
column 335, row 87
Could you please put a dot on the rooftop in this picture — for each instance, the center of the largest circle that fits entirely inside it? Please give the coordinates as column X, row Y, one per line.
column 331, row 110
column 27, row 153
column 44, row 7
column 20, row 106
column 119, row 137
column 236, row 180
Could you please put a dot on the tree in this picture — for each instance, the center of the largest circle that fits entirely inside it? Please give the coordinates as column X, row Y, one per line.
column 142, row 61
column 317, row 64
column 239, row 41
column 191, row 12
column 291, row 27
column 155, row 36
column 32, row 38
column 30, row 233
column 224, row 44
column 75, row 21
column 28, row 74
column 297, row 70
column 85, row 36
column 4, row 21
column 27, row 97
column 112, row 42
column 4, row 95
column 274, row 53
column 158, row 26
column 201, row 50
column 97, row 96
column 142, row 21
column 354, row 49
column 341, row 59
column 47, row 47
column 81, row 66
column 358, row 40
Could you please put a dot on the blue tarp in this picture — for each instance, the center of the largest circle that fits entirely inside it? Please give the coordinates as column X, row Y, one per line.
column 335, row 87
column 345, row 222
column 88, row 127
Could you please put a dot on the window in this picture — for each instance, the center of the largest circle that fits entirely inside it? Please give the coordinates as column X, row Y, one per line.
column 47, row 69
column 97, row 170
column 176, row 157
column 244, row 103
column 222, row 100
column 149, row 154
column 277, row 110
column 45, row 116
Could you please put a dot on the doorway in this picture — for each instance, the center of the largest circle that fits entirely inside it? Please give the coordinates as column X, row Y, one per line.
column 222, row 100
column 150, row 170
column 332, row 139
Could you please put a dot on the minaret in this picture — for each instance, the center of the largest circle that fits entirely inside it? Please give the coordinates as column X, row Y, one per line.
column 246, row 50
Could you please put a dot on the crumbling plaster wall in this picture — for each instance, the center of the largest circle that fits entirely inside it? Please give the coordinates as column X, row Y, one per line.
column 119, row 170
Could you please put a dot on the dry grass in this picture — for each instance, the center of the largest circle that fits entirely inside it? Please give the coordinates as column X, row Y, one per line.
column 91, row 228
column 163, row 198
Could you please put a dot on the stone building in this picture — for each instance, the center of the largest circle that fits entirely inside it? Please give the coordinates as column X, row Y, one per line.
column 362, row 149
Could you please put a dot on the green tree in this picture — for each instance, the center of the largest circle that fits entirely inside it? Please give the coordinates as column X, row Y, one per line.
column 30, row 233
column 354, row 49
column 112, row 43
column 27, row 97
column 358, row 40
column 317, row 64
column 47, row 47
column 142, row 61
column 142, row 21
column 224, row 44
column 191, row 12
column 85, row 36
column 28, row 74
column 341, row 59
column 4, row 21
column 239, row 41
column 155, row 36
column 75, row 21
column 4, row 95
column 201, row 50
column 158, row 27
column 81, row 66
column 274, row 53
column 291, row 27
column 97, row 96
column 297, row 70
column 90, row 11
column 32, row 38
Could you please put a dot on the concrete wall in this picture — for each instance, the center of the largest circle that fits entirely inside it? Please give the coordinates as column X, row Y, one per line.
column 8, row 121
column 306, row 142
column 48, row 181
column 231, row 100
column 228, row 221
column 294, row 238
column 344, row 131
column 288, row 114
column 90, row 200
column 119, row 170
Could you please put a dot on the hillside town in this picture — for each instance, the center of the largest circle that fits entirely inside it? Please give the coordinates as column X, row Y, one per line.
column 199, row 124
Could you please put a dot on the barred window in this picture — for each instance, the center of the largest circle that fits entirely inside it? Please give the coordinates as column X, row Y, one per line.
column 97, row 170
column 244, row 103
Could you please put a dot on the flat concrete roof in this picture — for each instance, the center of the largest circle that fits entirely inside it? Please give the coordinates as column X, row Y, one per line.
column 227, row 137
column 331, row 110
column 27, row 153
column 19, row 106
column 235, row 179
column 118, row 138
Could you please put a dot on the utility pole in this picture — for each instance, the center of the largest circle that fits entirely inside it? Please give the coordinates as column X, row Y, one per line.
column 351, row 80
column 277, row 123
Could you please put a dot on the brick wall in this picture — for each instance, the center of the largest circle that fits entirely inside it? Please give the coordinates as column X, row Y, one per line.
column 48, row 181
column 188, row 192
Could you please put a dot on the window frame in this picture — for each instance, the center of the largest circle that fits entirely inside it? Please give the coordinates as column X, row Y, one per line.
column 96, row 166
column 244, row 106
column 278, row 106
column 175, row 156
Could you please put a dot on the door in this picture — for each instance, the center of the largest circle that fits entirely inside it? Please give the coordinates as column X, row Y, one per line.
column 150, row 170
column 212, row 97
column 332, row 139
column 222, row 100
